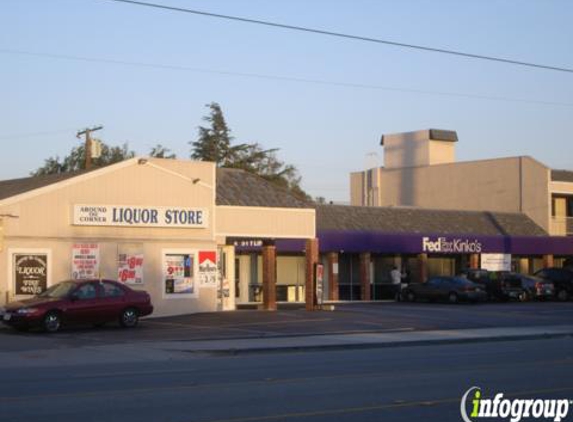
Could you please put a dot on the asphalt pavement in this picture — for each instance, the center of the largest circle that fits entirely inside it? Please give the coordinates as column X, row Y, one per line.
column 349, row 325
column 424, row 383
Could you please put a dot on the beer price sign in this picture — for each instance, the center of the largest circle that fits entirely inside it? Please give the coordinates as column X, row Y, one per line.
column 30, row 273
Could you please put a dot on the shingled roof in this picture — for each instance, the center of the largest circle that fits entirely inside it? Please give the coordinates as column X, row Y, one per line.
column 398, row 220
column 240, row 188
column 9, row 188
column 234, row 187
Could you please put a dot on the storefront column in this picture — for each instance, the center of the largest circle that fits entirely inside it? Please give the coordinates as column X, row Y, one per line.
column 270, row 278
column 311, row 260
column 423, row 265
column 332, row 258
column 365, row 275
column 548, row 261
column 474, row 261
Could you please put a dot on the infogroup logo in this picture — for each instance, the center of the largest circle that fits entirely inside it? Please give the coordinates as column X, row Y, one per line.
column 513, row 409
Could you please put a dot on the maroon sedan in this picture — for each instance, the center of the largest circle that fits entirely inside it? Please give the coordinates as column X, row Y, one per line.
column 79, row 302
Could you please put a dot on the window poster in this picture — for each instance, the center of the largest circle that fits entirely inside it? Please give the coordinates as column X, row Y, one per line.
column 30, row 273
column 496, row 261
column 130, row 268
column 85, row 261
column 207, row 269
column 178, row 275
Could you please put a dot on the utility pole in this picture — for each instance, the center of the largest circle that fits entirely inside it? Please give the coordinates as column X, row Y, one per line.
column 88, row 148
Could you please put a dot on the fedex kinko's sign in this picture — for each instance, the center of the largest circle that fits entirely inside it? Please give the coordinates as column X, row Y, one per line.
column 450, row 245
column 138, row 216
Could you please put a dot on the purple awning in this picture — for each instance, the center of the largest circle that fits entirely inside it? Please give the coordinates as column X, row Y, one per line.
column 375, row 242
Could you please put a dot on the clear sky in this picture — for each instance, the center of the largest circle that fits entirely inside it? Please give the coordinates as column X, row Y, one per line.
column 325, row 129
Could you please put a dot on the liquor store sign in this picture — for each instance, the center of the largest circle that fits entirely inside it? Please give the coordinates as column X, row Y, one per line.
column 140, row 216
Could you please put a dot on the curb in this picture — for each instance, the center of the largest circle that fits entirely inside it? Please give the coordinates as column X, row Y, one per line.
column 379, row 345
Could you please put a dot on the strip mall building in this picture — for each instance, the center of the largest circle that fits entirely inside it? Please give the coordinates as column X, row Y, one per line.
column 202, row 239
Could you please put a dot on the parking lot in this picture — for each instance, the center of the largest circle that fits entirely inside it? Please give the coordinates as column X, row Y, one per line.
column 345, row 318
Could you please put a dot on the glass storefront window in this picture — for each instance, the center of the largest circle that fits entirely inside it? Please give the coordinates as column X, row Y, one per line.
column 349, row 277
column 178, row 275
column 438, row 266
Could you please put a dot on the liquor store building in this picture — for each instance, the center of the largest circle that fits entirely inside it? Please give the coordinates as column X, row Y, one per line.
column 156, row 224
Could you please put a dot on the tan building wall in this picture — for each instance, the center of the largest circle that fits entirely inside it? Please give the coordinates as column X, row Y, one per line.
column 516, row 184
column 565, row 188
column 357, row 189
column 48, row 212
column 441, row 152
column 406, row 150
column 536, row 195
column 280, row 223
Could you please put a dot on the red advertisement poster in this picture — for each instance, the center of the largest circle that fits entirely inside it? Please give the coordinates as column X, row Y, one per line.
column 207, row 269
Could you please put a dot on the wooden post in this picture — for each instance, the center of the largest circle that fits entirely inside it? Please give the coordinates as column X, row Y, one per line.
column 474, row 261
column 311, row 259
column 365, row 275
column 332, row 275
column 269, row 278
column 423, row 262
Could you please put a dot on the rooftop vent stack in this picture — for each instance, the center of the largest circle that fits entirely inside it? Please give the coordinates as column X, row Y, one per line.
column 419, row 149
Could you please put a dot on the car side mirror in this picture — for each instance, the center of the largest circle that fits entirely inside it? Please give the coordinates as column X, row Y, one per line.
column 73, row 297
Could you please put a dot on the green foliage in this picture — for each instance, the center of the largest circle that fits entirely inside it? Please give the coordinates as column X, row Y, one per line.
column 76, row 160
column 214, row 144
column 159, row 151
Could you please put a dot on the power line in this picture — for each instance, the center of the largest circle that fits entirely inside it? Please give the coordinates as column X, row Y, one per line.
column 35, row 134
column 283, row 78
column 343, row 35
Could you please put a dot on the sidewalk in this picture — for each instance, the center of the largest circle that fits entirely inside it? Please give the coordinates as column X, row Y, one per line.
column 390, row 338
column 173, row 350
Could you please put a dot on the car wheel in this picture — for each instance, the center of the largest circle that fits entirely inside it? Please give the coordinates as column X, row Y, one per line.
column 453, row 297
column 52, row 322
column 410, row 297
column 562, row 295
column 129, row 318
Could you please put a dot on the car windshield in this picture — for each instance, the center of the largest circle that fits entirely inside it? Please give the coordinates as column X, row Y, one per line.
column 59, row 290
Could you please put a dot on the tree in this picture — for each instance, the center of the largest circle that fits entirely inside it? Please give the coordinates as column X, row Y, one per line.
column 159, row 151
column 214, row 144
column 51, row 165
column 76, row 160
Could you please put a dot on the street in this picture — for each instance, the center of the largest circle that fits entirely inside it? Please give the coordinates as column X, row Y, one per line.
column 397, row 384
column 112, row 374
